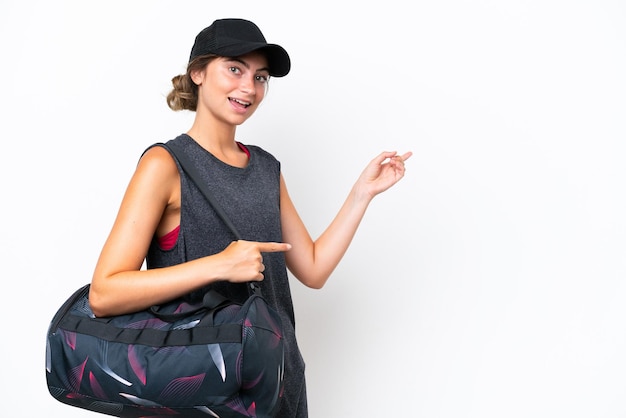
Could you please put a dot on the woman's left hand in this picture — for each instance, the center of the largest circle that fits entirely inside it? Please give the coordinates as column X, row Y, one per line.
column 382, row 172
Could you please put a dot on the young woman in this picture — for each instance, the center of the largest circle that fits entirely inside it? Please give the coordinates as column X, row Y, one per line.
column 166, row 222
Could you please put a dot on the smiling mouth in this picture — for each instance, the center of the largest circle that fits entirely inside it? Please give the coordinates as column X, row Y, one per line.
column 240, row 102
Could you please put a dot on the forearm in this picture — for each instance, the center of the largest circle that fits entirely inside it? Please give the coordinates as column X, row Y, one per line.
column 133, row 290
column 120, row 287
column 314, row 262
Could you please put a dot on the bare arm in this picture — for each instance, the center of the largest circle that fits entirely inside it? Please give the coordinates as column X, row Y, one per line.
column 312, row 262
column 152, row 203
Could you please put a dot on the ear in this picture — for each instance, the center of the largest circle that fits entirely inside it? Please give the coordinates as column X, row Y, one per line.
column 197, row 76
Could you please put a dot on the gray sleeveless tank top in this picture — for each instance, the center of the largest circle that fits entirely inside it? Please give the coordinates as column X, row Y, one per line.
column 250, row 197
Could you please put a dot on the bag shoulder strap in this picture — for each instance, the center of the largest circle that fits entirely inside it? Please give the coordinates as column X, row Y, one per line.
column 193, row 173
column 191, row 170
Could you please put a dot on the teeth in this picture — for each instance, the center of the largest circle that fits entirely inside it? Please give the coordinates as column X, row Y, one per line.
column 241, row 103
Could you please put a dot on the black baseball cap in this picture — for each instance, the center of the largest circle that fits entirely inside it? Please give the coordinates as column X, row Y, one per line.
column 235, row 37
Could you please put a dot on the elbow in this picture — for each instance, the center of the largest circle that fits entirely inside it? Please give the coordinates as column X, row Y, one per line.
column 310, row 279
column 315, row 286
column 315, row 283
column 96, row 304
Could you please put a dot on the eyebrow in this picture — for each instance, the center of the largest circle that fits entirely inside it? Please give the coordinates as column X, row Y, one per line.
column 245, row 64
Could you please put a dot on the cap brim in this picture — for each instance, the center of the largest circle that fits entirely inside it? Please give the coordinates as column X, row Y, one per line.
column 277, row 57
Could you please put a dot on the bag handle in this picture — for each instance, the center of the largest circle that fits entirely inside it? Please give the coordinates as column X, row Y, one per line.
column 210, row 302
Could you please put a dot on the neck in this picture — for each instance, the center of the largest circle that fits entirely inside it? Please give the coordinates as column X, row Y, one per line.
column 221, row 145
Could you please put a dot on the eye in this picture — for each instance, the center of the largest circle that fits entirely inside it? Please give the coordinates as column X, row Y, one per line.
column 262, row 78
column 234, row 70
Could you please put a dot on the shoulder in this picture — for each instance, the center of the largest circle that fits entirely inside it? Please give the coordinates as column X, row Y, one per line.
column 157, row 154
column 157, row 162
column 262, row 154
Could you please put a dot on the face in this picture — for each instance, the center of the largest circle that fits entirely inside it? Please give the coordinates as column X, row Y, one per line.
column 231, row 89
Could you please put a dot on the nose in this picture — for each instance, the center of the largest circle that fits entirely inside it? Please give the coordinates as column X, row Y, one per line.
column 247, row 85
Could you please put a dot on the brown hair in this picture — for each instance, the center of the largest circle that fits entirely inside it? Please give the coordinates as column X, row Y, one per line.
column 184, row 95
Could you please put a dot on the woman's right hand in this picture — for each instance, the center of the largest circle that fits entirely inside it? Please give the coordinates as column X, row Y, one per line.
column 245, row 259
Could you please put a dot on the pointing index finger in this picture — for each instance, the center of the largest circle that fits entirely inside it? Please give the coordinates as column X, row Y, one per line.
column 406, row 155
column 273, row 247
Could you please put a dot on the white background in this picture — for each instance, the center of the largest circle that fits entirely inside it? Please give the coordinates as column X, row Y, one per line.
column 490, row 282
